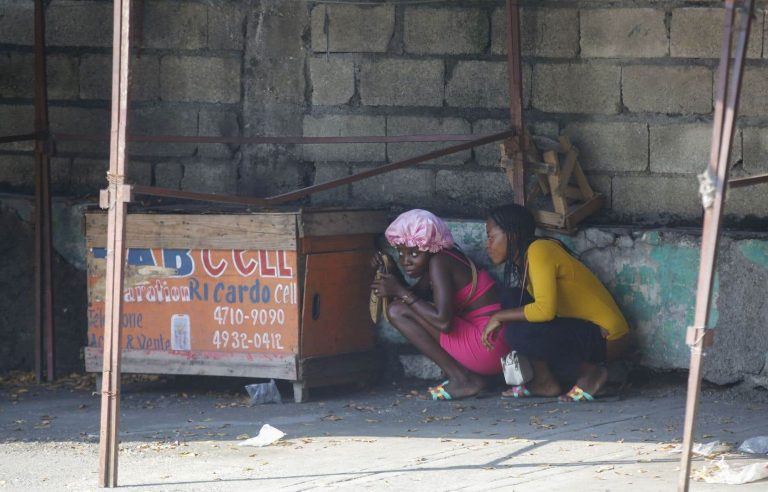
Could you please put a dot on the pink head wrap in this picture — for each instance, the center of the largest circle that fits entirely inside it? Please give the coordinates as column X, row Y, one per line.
column 419, row 229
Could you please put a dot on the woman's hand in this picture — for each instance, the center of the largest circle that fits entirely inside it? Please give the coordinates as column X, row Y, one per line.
column 490, row 332
column 388, row 285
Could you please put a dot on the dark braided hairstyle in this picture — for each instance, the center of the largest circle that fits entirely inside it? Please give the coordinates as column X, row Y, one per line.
column 513, row 218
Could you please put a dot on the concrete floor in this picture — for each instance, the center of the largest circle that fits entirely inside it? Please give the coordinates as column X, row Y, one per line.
column 183, row 435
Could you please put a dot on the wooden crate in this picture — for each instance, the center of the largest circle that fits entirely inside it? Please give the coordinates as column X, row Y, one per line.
column 266, row 295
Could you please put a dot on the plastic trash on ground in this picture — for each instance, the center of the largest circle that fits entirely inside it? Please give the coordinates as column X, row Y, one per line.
column 267, row 435
column 263, row 393
column 721, row 472
column 755, row 445
column 705, row 448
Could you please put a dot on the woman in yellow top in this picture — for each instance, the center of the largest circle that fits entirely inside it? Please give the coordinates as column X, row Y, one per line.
column 565, row 321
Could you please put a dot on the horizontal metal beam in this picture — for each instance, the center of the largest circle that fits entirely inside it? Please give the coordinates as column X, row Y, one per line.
column 20, row 138
column 302, row 192
column 747, row 180
column 271, row 140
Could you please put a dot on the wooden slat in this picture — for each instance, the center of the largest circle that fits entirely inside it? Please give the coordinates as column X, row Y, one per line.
column 558, row 200
column 567, row 167
column 548, row 218
column 280, row 366
column 581, row 180
column 251, row 231
column 593, row 205
column 339, row 222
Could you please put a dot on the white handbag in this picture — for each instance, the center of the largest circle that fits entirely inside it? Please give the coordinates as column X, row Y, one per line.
column 517, row 370
column 516, row 367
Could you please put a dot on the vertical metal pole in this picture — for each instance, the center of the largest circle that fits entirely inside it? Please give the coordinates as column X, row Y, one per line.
column 119, row 195
column 717, row 174
column 515, row 75
column 44, row 329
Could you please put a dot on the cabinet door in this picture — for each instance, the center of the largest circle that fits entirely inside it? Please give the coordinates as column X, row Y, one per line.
column 335, row 317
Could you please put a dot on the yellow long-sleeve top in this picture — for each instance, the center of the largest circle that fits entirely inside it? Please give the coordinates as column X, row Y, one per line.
column 562, row 286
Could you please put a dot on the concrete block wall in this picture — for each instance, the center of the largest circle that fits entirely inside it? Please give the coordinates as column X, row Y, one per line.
column 186, row 80
column 631, row 82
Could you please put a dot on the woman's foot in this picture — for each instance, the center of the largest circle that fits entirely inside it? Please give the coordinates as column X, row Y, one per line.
column 591, row 381
column 537, row 388
column 458, row 388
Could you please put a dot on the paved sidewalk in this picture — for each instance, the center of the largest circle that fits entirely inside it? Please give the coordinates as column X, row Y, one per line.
column 178, row 435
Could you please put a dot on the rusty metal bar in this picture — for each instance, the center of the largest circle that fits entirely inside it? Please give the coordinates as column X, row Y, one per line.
column 747, row 181
column 118, row 196
column 302, row 192
column 271, row 140
column 516, row 174
column 20, row 138
column 713, row 196
column 45, row 347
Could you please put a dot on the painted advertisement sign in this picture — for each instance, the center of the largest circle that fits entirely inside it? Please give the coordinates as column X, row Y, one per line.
column 201, row 300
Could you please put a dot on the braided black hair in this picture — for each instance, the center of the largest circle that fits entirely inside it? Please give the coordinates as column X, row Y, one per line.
column 513, row 218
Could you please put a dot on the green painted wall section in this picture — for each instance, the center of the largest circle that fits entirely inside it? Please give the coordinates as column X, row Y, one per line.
column 755, row 251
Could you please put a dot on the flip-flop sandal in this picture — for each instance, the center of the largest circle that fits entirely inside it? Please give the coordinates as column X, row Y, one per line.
column 439, row 393
column 576, row 394
column 516, row 393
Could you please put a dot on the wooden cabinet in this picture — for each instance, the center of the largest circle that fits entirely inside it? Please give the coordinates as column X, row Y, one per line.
column 266, row 295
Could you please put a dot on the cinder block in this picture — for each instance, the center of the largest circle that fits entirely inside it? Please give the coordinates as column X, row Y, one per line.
column 481, row 84
column 617, row 32
column 418, row 125
column 62, row 77
column 420, row 367
column 584, row 88
column 684, row 148
column 177, row 25
column 17, row 120
column 16, row 22
column 408, row 187
column 226, row 26
column 218, row 124
column 614, row 147
column 278, row 174
column 138, row 172
column 168, row 174
column 755, row 142
column 472, row 193
column 333, row 80
column 754, row 87
column 17, row 172
column 163, row 120
column 489, row 154
column 16, row 75
column 445, row 31
column 200, row 79
column 602, row 184
column 656, row 198
column 210, row 176
column 667, row 89
column 89, row 121
column 340, row 126
column 61, row 169
column 750, row 200
column 544, row 32
column 78, row 23
column 88, row 176
column 96, row 77
column 325, row 172
column 696, row 32
column 402, row 82
column 352, row 28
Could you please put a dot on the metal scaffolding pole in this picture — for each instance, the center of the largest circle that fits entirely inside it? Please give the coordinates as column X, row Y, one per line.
column 45, row 357
column 118, row 196
column 713, row 188
column 514, row 149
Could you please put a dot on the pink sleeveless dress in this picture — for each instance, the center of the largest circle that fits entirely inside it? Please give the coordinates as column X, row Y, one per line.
column 463, row 341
